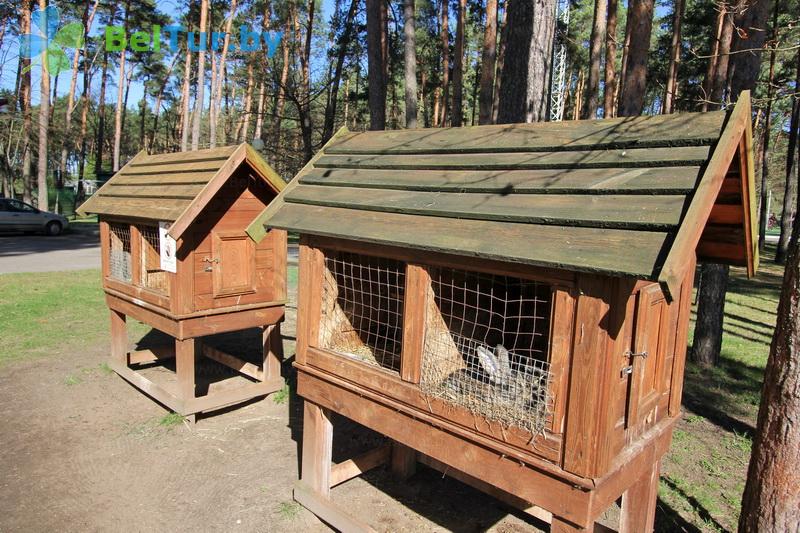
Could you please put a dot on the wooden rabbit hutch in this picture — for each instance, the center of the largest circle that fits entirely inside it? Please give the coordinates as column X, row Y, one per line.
column 175, row 255
column 510, row 304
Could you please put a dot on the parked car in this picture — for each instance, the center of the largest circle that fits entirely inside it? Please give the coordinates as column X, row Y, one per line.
column 19, row 216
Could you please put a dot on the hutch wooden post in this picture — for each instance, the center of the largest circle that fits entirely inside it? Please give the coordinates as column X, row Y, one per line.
column 175, row 255
column 510, row 304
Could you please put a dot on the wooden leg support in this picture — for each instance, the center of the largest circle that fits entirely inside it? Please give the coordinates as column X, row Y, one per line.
column 314, row 488
column 273, row 352
column 119, row 338
column 184, row 367
column 639, row 504
column 317, row 449
column 404, row 461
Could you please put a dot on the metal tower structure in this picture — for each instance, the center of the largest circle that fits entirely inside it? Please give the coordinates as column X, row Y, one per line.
column 558, row 79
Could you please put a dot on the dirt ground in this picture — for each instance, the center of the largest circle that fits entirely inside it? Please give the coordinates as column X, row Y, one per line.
column 81, row 450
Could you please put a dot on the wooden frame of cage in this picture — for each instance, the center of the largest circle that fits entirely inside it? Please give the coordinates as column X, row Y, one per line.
column 557, row 476
column 171, row 312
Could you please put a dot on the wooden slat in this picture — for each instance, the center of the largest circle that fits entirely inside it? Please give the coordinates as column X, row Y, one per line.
column 145, row 168
column 154, row 190
column 418, row 283
column 614, row 211
column 614, row 251
column 659, row 180
column 663, row 130
column 233, row 396
column 632, row 157
column 138, row 208
column 231, row 361
column 209, row 154
column 356, row 466
column 183, row 178
column 327, row 511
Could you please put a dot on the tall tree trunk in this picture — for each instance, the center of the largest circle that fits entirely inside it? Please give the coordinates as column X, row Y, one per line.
column 771, row 497
column 248, row 105
column 120, row 94
column 720, row 78
column 101, row 117
column 304, row 109
column 25, row 104
column 671, row 89
column 501, row 58
column 764, row 148
column 445, row 51
column 609, row 106
column 157, row 106
column 710, row 312
column 790, row 192
column 280, row 98
column 751, row 34
column 376, row 59
column 185, row 97
column 44, row 127
column 524, row 89
column 260, row 113
column 708, row 81
column 199, row 100
column 409, row 29
column 216, row 79
column 635, row 76
column 457, row 113
column 86, row 20
column 626, row 47
column 333, row 98
column 488, row 57
column 595, row 51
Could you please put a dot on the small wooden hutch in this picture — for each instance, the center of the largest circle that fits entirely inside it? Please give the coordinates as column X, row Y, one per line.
column 175, row 255
column 510, row 303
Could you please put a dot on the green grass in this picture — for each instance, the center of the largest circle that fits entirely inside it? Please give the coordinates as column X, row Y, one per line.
column 170, row 420
column 288, row 510
column 282, row 395
column 291, row 276
column 52, row 312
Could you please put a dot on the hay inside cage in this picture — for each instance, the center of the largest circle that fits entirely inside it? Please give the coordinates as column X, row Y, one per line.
column 153, row 277
column 486, row 344
column 362, row 308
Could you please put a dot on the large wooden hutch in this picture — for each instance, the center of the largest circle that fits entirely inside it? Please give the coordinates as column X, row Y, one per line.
column 175, row 255
column 510, row 303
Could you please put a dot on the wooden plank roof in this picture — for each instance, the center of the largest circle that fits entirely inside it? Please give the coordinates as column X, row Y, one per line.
column 174, row 187
column 625, row 196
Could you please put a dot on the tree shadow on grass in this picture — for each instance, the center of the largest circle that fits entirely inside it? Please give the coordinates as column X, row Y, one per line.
column 667, row 519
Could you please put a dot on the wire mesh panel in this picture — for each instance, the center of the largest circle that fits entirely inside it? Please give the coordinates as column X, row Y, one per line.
column 486, row 343
column 153, row 277
column 362, row 308
column 120, row 252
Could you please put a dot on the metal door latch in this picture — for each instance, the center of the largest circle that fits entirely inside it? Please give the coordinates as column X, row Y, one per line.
column 643, row 354
column 627, row 370
column 210, row 262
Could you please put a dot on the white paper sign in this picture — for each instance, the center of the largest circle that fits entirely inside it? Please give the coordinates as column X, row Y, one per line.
column 168, row 248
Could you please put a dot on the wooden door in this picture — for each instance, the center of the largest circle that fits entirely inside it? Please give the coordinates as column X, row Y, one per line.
column 233, row 254
column 647, row 356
